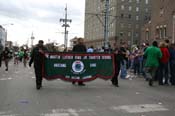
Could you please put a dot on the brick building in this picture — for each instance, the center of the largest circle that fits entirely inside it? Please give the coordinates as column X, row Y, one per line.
column 3, row 36
column 126, row 17
column 162, row 24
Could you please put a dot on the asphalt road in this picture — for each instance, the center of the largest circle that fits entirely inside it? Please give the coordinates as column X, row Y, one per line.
column 19, row 97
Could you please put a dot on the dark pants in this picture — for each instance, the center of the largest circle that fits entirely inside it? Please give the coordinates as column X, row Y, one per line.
column 172, row 67
column 0, row 60
column 38, row 74
column 79, row 83
column 150, row 73
column 115, row 78
column 6, row 63
column 136, row 68
column 163, row 73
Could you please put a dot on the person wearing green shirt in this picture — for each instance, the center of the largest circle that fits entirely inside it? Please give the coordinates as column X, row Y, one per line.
column 152, row 55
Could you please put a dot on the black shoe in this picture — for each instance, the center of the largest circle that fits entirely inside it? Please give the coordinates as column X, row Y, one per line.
column 167, row 84
column 146, row 79
column 81, row 84
column 38, row 87
column 150, row 82
column 6, row 69
column 73, row 83
column 116, row 85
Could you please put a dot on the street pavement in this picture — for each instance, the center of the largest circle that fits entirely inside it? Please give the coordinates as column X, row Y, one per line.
column 19, row 97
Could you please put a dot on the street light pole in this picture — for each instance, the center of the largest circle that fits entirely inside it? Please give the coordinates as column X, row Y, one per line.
column 32, row 38
column 106, row 24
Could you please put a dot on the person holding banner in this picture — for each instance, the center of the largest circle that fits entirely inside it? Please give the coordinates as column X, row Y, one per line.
column 118, row 59
column 37, row 58
column 79, row 47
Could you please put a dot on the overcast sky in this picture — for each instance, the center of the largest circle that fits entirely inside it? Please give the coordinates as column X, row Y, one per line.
column 42, row 18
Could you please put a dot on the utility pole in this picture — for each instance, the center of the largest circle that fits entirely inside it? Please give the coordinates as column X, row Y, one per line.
column 32, row 38
column 65, row 25
column 106, row 24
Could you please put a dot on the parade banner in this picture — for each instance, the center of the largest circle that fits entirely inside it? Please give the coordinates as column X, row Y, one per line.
column 78, row 66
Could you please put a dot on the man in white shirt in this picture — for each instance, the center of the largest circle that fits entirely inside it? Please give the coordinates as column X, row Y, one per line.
column 90, row 49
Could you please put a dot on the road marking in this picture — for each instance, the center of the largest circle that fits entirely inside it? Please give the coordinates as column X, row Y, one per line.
column 16, row 72
column 9, row 78
column 141, row 108
column 57, row 114
column 7, row 114
column 4, row 79
column 2, row 112
column 73, row 112
column 67, row 112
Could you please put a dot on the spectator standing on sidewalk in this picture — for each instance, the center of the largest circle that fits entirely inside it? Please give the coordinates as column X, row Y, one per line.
column 37, row 58
column 153, row 55
column 90, row 49
column 163, row 67
column 125, row 60
column 172, row 63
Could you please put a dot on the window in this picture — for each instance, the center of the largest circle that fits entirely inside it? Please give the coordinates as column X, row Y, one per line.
column 146, row 9
column 137, row 9
column 161, row 12
column 137, row 26
column 112, row 33
column 157, row 32
column 130, row 8
column 121, row 34
column 129, row 25
column 165, row 31
column 161, row 33
column 122, row 7
column 146, row 1
column 130, row 0
column 122, row 0
column 129, row 16
column 146, row 18
column 138, row 1
column 129, row 34
column 121, row 25
column 137, row 18
column 122, row 15
column 112, row 25
column 136, row 34
column 147, row 35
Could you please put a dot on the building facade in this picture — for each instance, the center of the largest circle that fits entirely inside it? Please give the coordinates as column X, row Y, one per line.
column 126, row 17
column 3, row 36
column 162, row 24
